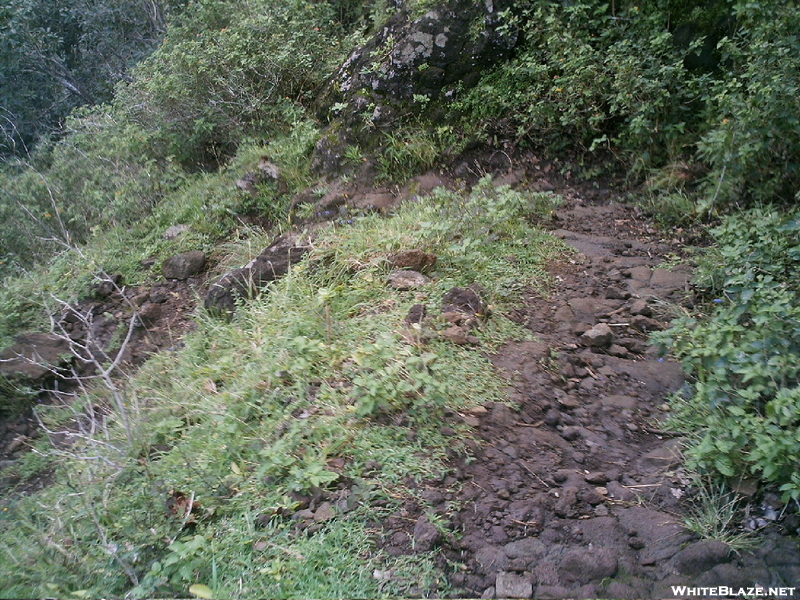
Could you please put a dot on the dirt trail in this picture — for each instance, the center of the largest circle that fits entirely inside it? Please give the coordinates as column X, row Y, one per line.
column 579, row 494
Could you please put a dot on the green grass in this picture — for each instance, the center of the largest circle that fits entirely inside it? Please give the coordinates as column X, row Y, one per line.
column 305, row 386
column 210, row 204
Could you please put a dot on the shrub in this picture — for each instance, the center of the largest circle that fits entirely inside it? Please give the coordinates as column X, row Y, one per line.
column 656, row 83
column 744, row 404
column 228, row 70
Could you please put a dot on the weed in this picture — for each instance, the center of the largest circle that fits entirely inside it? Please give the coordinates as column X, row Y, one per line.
column 714, row 514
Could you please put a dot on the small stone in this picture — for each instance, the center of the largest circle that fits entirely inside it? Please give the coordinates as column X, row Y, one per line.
column 599, row 336
column 571, row 433
column 150, row 313
column 407, row 280
column 618, row 351
column 613, row 293
column 640, row 307
column 645, row 324
column 569, row 496
column 183, row 266
column 592, row 497
column 553, row 417
column 456, row 335
column 175, row 231
column 569, row 402
column 596, row 477
column 324, row 512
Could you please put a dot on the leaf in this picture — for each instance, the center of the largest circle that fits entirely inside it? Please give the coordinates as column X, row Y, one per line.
column 235, row 468
column 201, row 591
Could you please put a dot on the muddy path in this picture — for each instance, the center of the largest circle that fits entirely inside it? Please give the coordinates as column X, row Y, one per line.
column 579, row 493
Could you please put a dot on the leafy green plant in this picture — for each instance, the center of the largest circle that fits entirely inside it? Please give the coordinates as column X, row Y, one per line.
column 744, row 357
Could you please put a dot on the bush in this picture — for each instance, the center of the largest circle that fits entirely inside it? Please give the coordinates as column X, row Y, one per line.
column 654, row 84
column 229, row 70
column 744, row 404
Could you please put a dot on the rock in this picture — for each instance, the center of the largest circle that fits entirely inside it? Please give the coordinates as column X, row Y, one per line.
column 568, row 499
column 640, row 307
column 149, row 313
column 273, row 263
column 661, row 534
column 596, row 478
column 701, row 556
column 571, row 432
column 552, row 417
column 645, row 324
column 183, row 266
column 416, row 260
column 490, row 559
column 618, row 401
column 427, row 57
column 617, row 491
column 666, row 456
column 175, row 231
column 323, row 513
column 620, row 351
column 512, row 585
column 669, row 281
column 426, row 535
column 459, row 336
column 406, row 280
column 613, row 293
column 107, row 286
column 34, row 356
column 587, row 565
column 265, row 172
column 599, row 336
column 489, row 592
column 501, row 415
column 527, row 548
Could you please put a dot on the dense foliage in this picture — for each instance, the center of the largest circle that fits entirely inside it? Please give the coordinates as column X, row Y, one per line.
column 656, row 82
column 55, row 56
column 745, row 356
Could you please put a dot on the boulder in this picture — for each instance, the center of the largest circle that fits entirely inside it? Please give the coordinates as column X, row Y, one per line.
column 431, row 56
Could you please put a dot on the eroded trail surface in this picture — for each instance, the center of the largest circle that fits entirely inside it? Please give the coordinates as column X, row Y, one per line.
column 579, row 494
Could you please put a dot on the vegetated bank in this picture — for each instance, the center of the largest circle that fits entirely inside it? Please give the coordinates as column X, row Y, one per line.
column 700, row 102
